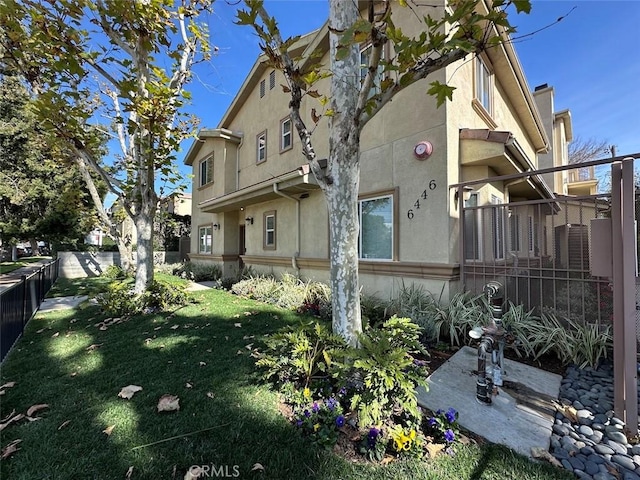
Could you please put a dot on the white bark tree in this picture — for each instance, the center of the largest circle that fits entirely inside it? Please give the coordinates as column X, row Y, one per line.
column 463, row 29
column 127, row 62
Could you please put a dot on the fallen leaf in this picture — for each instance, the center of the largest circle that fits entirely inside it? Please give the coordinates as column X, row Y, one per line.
column 209, row 350
column 203, row 364
column 189, row 385
column 103, row 328
column 157, row 328
column 4, row 420
column 7, row 385
column 239, row 352
column 248, row 337
column 55, row 335
column 108, row 430
column 248, row 314
column 542, row 454
column 434, row 449
column 64, row 424
column 211, row 394
column 41, row 330
column 174, row 327
column 249, row 347
column 238, row 325
column 13, row 419
column 257, row 466
column 237, row 315
column 35, row 408
column 93, row 346
column 386, row 460
column 128, row 474
column 128, row 391
column 168, row 403
column 193, row 473
column 73, row 374
column 10, row 449
column 226, row 337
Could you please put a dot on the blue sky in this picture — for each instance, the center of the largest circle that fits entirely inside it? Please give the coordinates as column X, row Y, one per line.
column 591, row 59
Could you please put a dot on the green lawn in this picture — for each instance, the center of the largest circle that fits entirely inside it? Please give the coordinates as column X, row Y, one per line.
column 227, row 417
column 8, row 267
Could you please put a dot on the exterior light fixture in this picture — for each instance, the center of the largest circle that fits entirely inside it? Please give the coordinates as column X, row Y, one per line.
column 249, row 220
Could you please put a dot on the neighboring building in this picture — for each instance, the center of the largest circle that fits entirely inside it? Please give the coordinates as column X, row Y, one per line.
column 257, row 204
column 177, row 204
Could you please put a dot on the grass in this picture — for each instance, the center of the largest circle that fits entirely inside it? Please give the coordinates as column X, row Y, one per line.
column 198, row 353
column 8, row 267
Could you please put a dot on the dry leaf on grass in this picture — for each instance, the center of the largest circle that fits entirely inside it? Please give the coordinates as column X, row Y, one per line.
column 173, row 327
column 4, row 420
column 386, row 460
column 35, row 408
column 193, row 473
column 189, row 385
column 10, row 449
column 249, row 347
column 203, row 364
column 127, row 476
column 542, row 454
column 434, row 449
column 237, row 325
column 7, row 385
column 239, row 352
column 64, row 424
column 128, row 391
column 168, row 403
column 211, row 394
column 108, row 430
column 257, row 466
column 55, row 335
column 13, row 419
column 93, row 346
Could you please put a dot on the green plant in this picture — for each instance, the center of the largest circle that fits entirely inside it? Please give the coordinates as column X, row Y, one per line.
column 119, row 300
column 442, row 427
column 114, row 272
column 454, row 320
column 588, row 343
column 321, row 421
column 198, row 272
column 524, row 327
column 416, row 303
column 161, row 295
column 374, row 445
column 406, row 441
column 385, row 373
column 300, row 354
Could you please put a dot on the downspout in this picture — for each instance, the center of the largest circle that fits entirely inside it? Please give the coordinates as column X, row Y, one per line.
column 294, row 258
column 238, row 162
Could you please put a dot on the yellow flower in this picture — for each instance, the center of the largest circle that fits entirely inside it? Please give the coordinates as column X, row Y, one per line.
column 306, row 392
column 316, row 427
column 412, row 435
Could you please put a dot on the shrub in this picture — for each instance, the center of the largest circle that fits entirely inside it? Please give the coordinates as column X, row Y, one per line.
column 161, row 295
column 114, row 272
column 385, row 372
column 416, row 303
column 300, row 355
column 198, row 272
column 321, row 421
column 119, row 300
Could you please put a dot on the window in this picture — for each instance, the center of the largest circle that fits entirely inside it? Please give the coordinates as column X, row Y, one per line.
column 365, row 53
column 206, row 170
column 484, row 85
column 272, row 80
column 514, row 232
column 497, row 217
column 269, row 239
column 376, row 228
column 285, row 134
column 262, row 88
column 204, row 236
column 261, row 147
column 472, row 229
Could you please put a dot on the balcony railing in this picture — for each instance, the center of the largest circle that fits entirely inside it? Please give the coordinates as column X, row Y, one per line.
column 582, row 174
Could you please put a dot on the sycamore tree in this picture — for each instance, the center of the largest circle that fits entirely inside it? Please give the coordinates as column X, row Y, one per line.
column 464, row 28
column 116, row 69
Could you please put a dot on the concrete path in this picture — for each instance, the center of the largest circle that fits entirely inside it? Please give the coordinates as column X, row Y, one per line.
column 11, row 278
column 61, row 303
column 521, row 416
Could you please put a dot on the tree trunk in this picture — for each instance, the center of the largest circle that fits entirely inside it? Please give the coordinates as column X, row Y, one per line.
column 343, row 177
column 126, row 253
column 34, row 247
column 144, row 264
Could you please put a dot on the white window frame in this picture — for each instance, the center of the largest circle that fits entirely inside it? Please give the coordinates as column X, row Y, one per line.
column 204, row 247
column 393, row 227
column 206, row 170
column 261, row 147
column 484, row 85
column 266, row 244
column 286, row 137
column 364, row 68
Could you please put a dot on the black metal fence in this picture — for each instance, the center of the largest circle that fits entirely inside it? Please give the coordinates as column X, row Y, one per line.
column 19, row 302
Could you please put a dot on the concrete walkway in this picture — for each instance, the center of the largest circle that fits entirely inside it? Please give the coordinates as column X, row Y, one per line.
column 11, row 278
column 521, row 415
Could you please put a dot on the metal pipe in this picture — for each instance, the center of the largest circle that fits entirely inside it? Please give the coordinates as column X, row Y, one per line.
column 484, row 386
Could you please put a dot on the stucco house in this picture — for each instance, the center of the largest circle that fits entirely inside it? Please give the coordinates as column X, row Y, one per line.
column 256, row 203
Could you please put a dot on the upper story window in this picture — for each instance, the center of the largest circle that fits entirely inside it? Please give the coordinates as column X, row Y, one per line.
column 376, row 228
column 272, row 80
column 206, row 170
column 262, row 88
column 269, row 237
column 484, row 85
column 286, row 138
column 205, row 236
column 261, row 147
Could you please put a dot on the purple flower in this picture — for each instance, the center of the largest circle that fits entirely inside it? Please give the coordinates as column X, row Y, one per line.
column 315, row 407
column 432, row 422
column 374, row 432
column 299, row 423
column 451, row 415
column 340, row 421
column 343, row 391
column 307, row 413
column 438, row 412
column 372, row 438
column 331, row 404
column 449, row 436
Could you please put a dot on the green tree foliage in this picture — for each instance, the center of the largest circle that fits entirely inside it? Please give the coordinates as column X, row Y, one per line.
column 127, row 62
column 42, row 196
